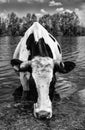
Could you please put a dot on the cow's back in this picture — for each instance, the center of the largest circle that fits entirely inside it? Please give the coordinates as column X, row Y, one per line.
column 38, row 42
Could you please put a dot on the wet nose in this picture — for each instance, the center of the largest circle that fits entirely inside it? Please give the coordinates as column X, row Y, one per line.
column 43, row 115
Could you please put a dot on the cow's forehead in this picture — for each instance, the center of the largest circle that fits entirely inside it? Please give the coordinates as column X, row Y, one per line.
column 42, row 71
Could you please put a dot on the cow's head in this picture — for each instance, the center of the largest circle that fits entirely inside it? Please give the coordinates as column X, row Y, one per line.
column 43, row 70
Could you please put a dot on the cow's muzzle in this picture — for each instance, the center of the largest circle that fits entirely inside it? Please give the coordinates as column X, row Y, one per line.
column 42, row 113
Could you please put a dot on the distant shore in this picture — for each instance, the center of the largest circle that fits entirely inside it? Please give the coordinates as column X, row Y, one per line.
column 66, row 24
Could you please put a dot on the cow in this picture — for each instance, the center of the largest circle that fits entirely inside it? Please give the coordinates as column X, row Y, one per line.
column 38, row 55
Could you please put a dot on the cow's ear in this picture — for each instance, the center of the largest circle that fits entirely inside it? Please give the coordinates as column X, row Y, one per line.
column 68, row 66
column 16, row 64
column 64, row 67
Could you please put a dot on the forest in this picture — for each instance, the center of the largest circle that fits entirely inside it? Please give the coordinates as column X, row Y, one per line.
column 59, row 24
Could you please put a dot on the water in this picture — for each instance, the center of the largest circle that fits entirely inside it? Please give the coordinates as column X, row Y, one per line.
column 8, row 79
column 71, row 87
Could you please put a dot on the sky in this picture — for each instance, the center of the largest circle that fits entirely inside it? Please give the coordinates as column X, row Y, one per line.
column 40, row 7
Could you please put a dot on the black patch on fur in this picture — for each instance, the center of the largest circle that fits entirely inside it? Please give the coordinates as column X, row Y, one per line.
column 39, row 48
column 52, row 38
column 18, row 94
column 33, row 90
column 52, row 88
column 59, row 49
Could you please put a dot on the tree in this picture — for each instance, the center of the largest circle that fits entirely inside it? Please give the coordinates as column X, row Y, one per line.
column 64, row 23
column 33, row 18
column 46, row 22
column 69, row 23
column 28, row 21
column 56, row 23
column 13, row 27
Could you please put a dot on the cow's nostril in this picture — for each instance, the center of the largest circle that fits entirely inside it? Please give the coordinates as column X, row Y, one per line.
column 43, row 115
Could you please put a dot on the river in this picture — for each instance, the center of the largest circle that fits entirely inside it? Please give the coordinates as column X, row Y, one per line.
column 71, row 87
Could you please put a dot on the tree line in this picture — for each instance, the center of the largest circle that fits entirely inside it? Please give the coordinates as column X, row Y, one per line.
column 65, row 24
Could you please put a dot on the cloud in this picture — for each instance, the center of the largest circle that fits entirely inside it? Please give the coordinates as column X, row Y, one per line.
column 53, row 3
column 39, row 15
column 60, row 9
column 43, row 11
column 3, row 15
column 81, row 14
column 41, row 1
column 68, row 10
column 3, row 1
column 29, row 1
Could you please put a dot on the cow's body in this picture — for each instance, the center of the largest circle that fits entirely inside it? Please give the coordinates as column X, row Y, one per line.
column 41, row 50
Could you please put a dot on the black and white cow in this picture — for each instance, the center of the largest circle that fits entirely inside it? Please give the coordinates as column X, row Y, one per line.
column 38, row 55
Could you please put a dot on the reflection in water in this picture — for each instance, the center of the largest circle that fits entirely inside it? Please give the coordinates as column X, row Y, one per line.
column 73, row 50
